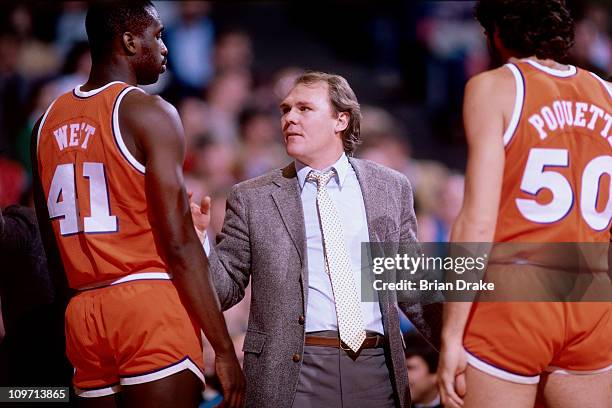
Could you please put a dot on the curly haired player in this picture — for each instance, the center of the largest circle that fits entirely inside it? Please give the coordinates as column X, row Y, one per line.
column 539, row 168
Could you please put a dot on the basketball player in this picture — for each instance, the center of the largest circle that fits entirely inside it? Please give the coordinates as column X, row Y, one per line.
column 540, row 140
column 110, row 192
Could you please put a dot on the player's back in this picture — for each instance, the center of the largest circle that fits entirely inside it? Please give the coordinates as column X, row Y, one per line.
column 556, row 183
column 550, row 310
column 95, row 189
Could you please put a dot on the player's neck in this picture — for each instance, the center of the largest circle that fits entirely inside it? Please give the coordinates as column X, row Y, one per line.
column 103, row 73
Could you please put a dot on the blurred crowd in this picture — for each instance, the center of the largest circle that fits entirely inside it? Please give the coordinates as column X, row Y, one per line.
column 229, row 67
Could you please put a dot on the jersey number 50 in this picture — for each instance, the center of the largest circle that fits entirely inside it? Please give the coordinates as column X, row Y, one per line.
column 536, row 178
column 64, row 185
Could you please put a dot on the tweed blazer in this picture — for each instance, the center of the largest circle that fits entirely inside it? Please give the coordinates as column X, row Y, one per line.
column 263, row 240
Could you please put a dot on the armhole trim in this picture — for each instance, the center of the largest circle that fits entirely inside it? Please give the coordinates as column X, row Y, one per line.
column 518, row 104
column 117, row 132
column 42, row 123
column 603, row 83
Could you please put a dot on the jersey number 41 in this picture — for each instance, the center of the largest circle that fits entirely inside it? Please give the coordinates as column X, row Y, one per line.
column 62, row 200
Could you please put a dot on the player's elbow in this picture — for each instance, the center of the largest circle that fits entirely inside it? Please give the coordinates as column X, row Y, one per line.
column 176, row 251
column 477, row 228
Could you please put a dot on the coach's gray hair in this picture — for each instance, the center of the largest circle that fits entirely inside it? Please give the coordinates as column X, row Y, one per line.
column 342, row 99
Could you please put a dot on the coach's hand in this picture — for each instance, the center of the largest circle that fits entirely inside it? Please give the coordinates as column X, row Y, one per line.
column 200, row 214
column 451, row 374
column 231, row 379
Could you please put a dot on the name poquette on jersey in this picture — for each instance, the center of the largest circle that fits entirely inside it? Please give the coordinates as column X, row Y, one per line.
column 560, row 114
column 73, row 135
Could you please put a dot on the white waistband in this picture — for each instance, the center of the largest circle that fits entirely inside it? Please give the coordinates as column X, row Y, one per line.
column 129, row 278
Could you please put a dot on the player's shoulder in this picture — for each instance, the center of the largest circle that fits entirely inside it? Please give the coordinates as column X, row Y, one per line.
column 146, row 109
column 605, row 83
column 499, row 80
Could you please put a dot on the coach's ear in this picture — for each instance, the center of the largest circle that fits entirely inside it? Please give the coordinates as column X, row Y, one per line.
column 341, row 122
column 130, row 43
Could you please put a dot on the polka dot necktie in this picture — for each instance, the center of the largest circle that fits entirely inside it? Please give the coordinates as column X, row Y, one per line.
column 338, row 266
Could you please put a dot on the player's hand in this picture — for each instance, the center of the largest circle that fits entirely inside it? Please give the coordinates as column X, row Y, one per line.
column 232, row 380
column 200, row 214
column 451, row 374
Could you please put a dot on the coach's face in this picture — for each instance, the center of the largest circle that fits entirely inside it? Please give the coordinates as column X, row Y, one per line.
column 153, row 54
column 311, row 128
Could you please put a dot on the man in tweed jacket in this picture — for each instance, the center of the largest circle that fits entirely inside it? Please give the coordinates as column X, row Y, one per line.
column 267, row 236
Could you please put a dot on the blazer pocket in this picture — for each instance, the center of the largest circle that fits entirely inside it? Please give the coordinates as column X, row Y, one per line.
column 254, row 342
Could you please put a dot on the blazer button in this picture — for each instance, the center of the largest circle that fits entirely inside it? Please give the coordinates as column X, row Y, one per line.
column 301, row 320
column 296, row 358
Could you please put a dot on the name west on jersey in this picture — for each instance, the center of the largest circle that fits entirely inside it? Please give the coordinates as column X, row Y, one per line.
column 560, row 114
column 73, row 135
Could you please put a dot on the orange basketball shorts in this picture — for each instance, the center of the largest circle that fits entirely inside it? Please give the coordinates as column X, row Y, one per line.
column 130, row 333
column 518, row 341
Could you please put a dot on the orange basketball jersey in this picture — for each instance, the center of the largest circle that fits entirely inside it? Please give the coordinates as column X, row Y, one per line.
column 557, row 175
column 95, row 189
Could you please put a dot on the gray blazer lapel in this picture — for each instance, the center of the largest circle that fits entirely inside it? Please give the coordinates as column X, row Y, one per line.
column 289, row 204
column 374, row 193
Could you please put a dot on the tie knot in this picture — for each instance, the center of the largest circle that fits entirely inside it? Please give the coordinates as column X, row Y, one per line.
column 321, row 178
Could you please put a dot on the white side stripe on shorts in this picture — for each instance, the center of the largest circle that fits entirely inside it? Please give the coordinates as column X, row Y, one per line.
column 499, row 373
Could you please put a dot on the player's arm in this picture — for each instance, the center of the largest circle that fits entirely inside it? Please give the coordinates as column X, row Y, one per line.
column 157, row 132
column 487, row 97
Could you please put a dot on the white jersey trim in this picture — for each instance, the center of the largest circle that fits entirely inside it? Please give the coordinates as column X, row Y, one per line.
column 117, row 132
column 185, row 364
column 604, row 83
column 518, row 103
column 87, row 94
column 499, row 373
column 42, row 122
column 99, row 392
column 559, row 370
column 129, row 278
column 555, row 72
column 143, row 276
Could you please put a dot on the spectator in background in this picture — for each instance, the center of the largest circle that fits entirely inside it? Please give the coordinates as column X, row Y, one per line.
column 40, row 98
column 191, row 40
column 214, row 162
column 70, row 28
column 13, row 88
column 260, row 150
column 75, row 69
column 267, row 93
column 37, row 58
column 226, row 97
column 233, row 50
column 593, row 47
column 440, row 193
column 422, row 362
column 456, row 51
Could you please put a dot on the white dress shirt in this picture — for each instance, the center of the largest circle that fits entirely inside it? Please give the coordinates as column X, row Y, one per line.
column 345, row 192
